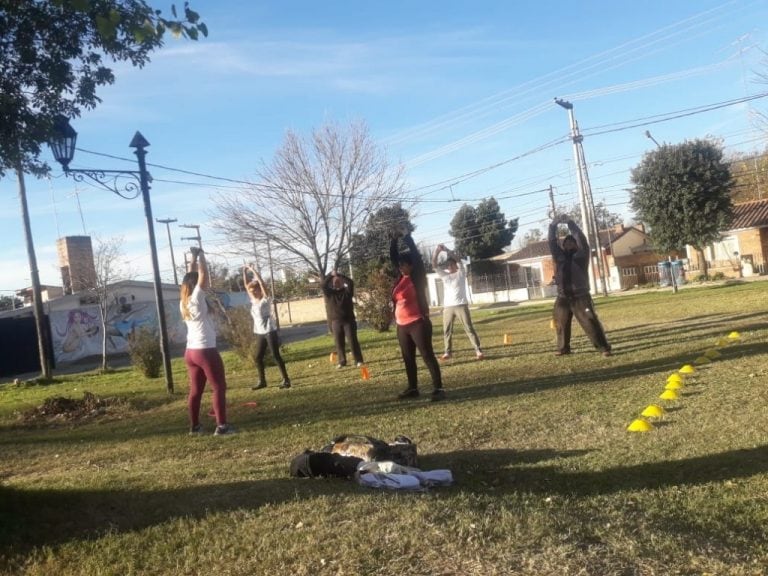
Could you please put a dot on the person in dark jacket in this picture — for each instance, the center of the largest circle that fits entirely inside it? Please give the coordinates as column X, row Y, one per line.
column 414, row 328
column 339, row 294
column 573, row 298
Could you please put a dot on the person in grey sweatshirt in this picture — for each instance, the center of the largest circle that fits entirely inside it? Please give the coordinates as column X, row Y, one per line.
column 572, row 257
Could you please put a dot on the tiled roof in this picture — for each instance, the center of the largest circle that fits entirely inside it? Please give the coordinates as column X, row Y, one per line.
column 750, row 215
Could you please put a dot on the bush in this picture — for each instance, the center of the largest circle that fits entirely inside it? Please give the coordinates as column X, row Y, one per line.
column 146, row 354
column 718, row 276
column 374, row 298
column 238, row 332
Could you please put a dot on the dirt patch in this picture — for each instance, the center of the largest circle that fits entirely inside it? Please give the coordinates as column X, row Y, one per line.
column 61, row 408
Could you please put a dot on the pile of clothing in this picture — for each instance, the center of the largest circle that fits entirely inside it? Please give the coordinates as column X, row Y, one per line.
column 371, row 462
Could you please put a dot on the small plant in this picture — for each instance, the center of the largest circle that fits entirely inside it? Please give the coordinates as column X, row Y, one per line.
column 145, row 352
column 238, row 332
column 718, row 276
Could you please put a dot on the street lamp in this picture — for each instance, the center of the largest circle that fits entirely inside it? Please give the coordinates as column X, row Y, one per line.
column 650, row 136
column 63, row 147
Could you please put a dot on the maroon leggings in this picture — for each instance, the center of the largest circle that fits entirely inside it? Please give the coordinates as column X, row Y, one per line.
column 206, row 365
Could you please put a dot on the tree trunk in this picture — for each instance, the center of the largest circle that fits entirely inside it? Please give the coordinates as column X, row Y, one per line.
column 703, row 262
column 103, row 344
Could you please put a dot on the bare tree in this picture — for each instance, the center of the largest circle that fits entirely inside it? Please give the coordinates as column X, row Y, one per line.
column 106, row 259
column 312, row 198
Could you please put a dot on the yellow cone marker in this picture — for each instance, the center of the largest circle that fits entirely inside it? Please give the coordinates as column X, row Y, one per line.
column 553, row 324
column 734, row 335
column 712, row 354
column 507, row 338
column 702, row 360
column 653, row 411
column 687, row 369
column 673, row 386
column 668, row 395
column 640, row 425
column 675, row 378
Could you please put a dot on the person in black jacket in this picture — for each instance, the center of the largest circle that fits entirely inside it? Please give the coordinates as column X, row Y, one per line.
column 573, row 298
column 414, row 328
column 339, row 294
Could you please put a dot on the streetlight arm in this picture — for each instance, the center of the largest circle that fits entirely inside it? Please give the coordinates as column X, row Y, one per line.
column 112, row 180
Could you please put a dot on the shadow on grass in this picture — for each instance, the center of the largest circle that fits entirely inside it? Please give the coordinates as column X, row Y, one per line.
column 504, row 470
column 34, row 518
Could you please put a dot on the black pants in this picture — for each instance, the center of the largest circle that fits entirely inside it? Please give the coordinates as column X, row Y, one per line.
column 344, row 330
column 418, row 335
column 262, row 341
column 566, row 307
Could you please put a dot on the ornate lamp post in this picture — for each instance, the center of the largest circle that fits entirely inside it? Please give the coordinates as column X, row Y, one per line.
column 63, row 147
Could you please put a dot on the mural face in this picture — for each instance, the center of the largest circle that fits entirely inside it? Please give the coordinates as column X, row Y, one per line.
column 78, row 333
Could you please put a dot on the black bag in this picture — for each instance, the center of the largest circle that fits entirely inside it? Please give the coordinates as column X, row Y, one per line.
column 310, row 464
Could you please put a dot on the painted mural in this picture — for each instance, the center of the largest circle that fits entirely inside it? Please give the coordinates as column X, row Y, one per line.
column 77, row 333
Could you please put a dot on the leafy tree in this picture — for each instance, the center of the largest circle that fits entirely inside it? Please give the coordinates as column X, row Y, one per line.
column 604, row 217
column 533, row 235
column 750, row 176
column 482, row 232
column 313, row 197
column 52, row 60
column 372, row 244
column 682, row 193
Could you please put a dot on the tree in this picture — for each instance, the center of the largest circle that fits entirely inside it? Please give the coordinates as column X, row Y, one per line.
column 604, row 218
column 10, row 303
column 106, row 259
column 313, row 197
column 482, row 232
column 52, row 58
column 750, row 176
column 372, row 244
column 51, row 62
column 682, row 193
column 533, row 235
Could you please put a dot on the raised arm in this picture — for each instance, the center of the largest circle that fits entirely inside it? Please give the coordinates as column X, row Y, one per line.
column 394, row 256
column 200, row 265
column 416, row 260
column 581, row 239
column 435, row 254
column 554, row 247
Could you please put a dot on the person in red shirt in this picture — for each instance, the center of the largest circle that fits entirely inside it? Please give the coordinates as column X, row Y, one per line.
column 414, row 328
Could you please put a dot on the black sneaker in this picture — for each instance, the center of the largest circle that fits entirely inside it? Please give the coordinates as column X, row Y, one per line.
column 285, row 384
column 408, row 393
column 438, row 394
column 196, row 430
column 259, row 386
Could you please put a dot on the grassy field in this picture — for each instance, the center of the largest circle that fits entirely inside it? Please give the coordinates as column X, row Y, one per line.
column 548, row 479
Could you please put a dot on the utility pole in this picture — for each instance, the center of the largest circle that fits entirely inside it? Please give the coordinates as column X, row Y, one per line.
column 552, row 208
column 37, row 300
column 272, row 282
column 168, row 221
column 195, row 227
column 587, row 205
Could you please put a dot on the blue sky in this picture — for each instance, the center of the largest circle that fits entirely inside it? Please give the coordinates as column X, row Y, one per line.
column 447, row 88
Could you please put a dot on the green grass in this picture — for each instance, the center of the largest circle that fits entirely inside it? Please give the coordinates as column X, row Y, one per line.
column 548, row 479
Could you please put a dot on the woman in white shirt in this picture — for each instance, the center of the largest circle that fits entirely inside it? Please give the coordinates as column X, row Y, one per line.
column 204, row 363
column 264, row 327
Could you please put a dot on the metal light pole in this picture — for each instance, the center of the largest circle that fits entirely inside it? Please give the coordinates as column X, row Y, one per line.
column 648, row 135
column 63, row 147
column 585, row 190
column 168, row 221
